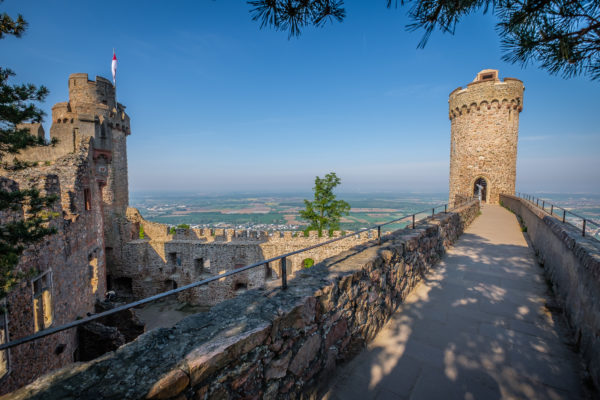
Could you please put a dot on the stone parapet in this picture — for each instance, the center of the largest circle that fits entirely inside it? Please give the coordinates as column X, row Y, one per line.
column 268, row 343
column 572, row 264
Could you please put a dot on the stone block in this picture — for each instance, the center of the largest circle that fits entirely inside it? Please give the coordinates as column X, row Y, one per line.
column 170, row 385
column 305, row 355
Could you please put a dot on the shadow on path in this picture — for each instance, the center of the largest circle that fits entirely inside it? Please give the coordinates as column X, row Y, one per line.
column 477, row 327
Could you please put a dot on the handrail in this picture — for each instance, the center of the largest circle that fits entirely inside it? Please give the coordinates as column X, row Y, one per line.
column 50, row 331
column 546, row 204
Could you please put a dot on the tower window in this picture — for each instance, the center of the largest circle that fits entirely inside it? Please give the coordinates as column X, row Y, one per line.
column 199, row 267
column 87, row 196
column 174, row 259
column 42, row 301
column 4, row 356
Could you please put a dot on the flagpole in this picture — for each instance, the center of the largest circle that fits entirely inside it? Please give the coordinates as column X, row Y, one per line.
column 115, row 85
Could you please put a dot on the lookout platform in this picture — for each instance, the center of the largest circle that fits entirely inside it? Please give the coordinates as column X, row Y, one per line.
column 480, row 326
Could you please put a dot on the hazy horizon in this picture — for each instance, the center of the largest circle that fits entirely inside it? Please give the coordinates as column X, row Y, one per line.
column 309, row 192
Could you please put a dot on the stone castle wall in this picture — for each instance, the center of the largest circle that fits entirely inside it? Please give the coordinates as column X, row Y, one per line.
column 74, row 256
column 273, row 343
column 572, row 264
column 87, row 168
column 163, row 261
column 92, row 111
column 484, row 132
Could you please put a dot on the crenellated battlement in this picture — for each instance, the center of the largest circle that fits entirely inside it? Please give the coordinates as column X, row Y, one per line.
column 83, row 91
column 486, row 92
column 92, row 101
column 161, row 232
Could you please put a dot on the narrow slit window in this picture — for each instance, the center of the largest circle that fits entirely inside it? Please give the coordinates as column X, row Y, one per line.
column 88, row 199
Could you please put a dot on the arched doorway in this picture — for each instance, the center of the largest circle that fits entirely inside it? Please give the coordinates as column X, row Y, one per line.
column 480, row 183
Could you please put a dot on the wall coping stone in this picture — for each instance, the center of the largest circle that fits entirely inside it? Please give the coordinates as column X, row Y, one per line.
column 585, row 248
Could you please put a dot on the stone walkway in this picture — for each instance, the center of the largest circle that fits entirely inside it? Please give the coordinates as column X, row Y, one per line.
column 476, row 328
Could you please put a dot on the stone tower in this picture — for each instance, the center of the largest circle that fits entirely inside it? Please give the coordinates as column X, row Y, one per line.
column 484, row 132
column 92, row 110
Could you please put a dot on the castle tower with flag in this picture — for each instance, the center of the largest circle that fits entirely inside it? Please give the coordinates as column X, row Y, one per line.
column 92, row 110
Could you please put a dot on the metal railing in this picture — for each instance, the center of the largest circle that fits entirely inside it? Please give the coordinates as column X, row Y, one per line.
column 50, row 331
column 564, row 215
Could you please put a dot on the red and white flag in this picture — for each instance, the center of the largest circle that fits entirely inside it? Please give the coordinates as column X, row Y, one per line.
column 114, row 68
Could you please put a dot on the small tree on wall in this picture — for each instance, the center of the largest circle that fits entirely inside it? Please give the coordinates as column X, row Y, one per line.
column 325, row 212
column 25, row 214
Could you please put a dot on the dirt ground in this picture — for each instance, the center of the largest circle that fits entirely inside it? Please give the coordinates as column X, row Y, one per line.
column 166, row 313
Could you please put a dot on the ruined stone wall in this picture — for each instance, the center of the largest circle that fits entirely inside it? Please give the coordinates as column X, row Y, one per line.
column 92, row 111
column 269, row 343
column 572, row 263
column 74, row 256
column 484, row 132
column 162, row 261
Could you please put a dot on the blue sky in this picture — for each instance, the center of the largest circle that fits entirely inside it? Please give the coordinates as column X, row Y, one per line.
column 218, row 104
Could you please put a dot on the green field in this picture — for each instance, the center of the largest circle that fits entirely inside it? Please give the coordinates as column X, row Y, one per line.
column 173, row 209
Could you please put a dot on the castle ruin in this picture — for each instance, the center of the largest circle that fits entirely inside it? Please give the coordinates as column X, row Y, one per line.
column 484, row 132
column 162, row 260
column 97, row 246
column 87, row 170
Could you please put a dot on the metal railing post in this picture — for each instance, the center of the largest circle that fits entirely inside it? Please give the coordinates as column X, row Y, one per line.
column 537, row 202
column 432, row 212
column 445, row 208
column 378, row 234
column 283, row 273
column 583, row 230
column 413, row 221
column 543, row 204
column 564, row 214
column 551, row 209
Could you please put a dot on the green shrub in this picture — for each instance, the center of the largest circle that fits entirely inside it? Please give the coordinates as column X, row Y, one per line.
column 172, row 230
column 308, row 262
column 183, row 226
column 142, row 235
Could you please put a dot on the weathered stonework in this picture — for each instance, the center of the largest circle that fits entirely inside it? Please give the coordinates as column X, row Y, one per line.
column 484, row 132
column 163, row 261
column 87, row 169
column 268, row 343
column 74, row 257
column 572, row 264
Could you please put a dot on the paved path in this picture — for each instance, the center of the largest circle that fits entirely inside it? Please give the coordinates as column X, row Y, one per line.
column 476, row 328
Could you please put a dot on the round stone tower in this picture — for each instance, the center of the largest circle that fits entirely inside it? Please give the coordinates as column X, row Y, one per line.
column 484, row 132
